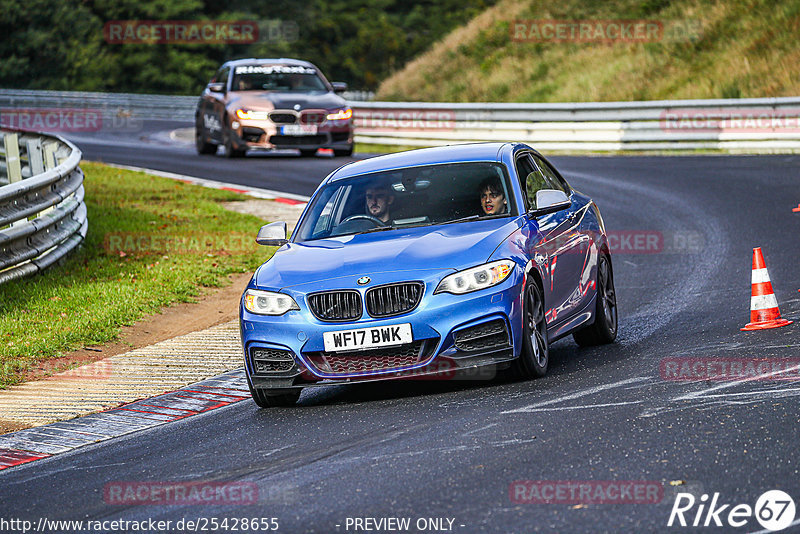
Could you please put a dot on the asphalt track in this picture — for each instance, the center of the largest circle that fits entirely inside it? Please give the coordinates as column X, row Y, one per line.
column 453, row 449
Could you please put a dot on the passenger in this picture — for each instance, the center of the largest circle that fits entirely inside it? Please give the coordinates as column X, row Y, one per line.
column 493, row 199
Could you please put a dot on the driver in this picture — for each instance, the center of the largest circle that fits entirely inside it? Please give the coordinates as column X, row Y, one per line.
column 378, row 198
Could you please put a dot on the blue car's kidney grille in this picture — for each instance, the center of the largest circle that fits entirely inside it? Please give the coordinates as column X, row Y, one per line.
column 393, row 299
column 335, row 305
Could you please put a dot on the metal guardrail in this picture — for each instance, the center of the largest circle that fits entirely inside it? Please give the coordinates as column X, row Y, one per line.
column 42, row 212
column 747, row 125
column 751, row 125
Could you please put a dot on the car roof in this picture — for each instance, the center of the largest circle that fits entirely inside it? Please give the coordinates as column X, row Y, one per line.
column 268, row 61
column 425, row 156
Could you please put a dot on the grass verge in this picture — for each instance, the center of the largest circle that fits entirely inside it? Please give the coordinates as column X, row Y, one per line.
column 731, row 49
column 151, row 242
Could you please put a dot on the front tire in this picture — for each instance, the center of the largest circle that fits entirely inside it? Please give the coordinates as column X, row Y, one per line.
column 343, row 152
column 200, row 143
column 604, row 328
column 231, row 151
column 535, row 355
column 273, row 398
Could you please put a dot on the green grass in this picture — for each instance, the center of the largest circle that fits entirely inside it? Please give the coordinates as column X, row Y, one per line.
column 710, row 49
column 375, row 148
column 103, row 286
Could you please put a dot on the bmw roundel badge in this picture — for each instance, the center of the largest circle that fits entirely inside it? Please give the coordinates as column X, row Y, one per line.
column 364, row 280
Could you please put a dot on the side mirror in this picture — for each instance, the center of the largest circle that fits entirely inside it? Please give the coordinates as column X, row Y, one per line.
column 550, row 201
column 339, row 87
column 216, row 87
column 272, row 234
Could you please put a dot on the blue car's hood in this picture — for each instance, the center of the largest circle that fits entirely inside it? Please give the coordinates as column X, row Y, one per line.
column 452, row 246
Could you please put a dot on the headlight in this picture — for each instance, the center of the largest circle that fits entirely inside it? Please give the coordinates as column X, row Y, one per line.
column 341, row 115
column 252, row 115
column 476, row 278
column 268, row 302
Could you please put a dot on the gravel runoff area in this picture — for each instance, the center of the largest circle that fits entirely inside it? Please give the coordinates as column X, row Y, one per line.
column 143, row 372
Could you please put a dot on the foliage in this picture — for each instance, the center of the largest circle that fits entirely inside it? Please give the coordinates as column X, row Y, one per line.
column 60, row 45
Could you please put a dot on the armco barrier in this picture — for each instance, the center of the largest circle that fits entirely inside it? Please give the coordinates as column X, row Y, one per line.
column 750, row 125
column 736, row 125
column 42, row 213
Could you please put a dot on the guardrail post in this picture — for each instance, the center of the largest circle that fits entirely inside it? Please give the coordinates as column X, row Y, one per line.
column 14, row 170
column 35, row 156
column 13, row 167
column 50, row 155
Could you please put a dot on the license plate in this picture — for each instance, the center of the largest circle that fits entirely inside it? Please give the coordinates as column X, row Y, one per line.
column 299, row 129
column 365, row 338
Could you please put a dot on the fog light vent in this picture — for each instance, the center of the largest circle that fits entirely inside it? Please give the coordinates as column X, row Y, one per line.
column 267, row 361
column 485, row 336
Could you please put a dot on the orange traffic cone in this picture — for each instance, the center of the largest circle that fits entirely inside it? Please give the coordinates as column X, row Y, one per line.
column 764, row 312
column 797, row 209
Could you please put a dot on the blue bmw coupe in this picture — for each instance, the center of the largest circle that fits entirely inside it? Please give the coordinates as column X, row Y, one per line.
column 425, row 262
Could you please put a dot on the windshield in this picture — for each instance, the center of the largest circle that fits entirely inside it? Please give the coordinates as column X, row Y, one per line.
column 284, row 78
column 414, row 196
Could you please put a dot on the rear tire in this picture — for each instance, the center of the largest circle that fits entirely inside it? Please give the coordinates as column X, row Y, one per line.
column 273, row 398
column 203, row 147
column 604, row 328
column 535, row 355
column 343, row 152
column 308, row 152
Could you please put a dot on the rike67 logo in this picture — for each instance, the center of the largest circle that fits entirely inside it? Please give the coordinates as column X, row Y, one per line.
column 774, row 510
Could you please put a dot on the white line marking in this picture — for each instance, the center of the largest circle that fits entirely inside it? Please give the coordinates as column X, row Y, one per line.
column 252, row 191
column 582, row 406
column 695, row 394
column 578, row 394
column 479, row 429
column 769, row 392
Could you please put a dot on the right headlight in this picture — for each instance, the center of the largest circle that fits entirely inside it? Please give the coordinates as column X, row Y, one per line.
column 268, row 302
column 480, row 277
column 249, row 114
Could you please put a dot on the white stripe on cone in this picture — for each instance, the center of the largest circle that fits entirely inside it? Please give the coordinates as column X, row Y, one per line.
column 763, row 302
column 760, row 276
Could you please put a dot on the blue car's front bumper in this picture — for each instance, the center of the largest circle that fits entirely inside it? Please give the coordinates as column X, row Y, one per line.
column 446, row 324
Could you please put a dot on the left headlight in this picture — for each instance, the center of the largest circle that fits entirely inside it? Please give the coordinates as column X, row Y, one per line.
column 341, row 115
column 480, row 277
column 268, row 302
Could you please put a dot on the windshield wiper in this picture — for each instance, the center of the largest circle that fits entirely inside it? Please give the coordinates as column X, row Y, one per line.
column 475, row 218
column 462, row 219
column 376, row 229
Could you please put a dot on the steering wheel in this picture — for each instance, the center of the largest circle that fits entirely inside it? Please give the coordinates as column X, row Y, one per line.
column 369, row 218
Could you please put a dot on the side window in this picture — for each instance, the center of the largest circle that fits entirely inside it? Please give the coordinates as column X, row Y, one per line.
column 555, row 181
column 532, row 180
column 222, row 76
